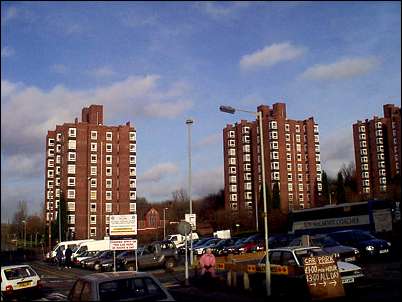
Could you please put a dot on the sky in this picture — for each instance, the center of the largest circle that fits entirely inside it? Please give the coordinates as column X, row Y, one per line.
column 157, row 64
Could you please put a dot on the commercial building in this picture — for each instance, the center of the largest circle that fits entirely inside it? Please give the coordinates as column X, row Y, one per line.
column 93, row 166
column 377, row 145
column 291, row 155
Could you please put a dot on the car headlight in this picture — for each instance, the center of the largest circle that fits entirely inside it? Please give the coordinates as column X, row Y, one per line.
column 389, row 243
column 356, row 251
column 336, row 255
column 370, row 248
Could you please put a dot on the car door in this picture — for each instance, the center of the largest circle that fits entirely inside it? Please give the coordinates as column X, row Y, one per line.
column 147, row 258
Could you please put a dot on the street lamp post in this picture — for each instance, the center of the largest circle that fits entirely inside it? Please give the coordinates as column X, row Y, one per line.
column 231, row 110
column 25, row 233
column 189, row 122
column 164, row 223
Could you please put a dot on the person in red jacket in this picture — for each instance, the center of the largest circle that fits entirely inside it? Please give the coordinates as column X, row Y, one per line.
column 207, row 263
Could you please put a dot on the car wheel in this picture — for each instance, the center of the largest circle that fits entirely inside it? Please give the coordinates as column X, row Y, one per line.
column 170, row 263
column 97, row 266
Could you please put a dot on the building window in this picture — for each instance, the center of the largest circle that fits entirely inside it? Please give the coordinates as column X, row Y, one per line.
column 133, row 195
column 380, row 156
column 299, row 167
column 379, row 140
column 71, row 169
column 246, row 139
column 232, row 179
column 298, row 138
column 50, row 152
column 363, row 144
column 50, row 184
column 107, row 219
column 71, row 193
column 233, row 197
column 71, row 181
column 274, row 125
column 72, row 132
column 72, row 144
column 133, row 207
column 362, row 128
column 71, row 156
column 380, row 148
column 50, row 142
column 93, row 232
column 132, row 159
column 108, row 195
column 133, row 148
column 93, row 170
column 297, row 128
column 94, row 147
column 93, row 194
column 289, row 166
column 232, row 152
column 109, row 136
column 71, row 219
column 133, row 183
column 71, row 206
column 246, row 157
column 382, row 172
column 93, row 206
column 93, row 182
column 275, row 165
column 108, row 171
column 109, row 147
column 109, row 183
column 248, row 195
column 362, row 136
column 93, row 219
column 233, row 188
column 316, row 138
column 381, row 164
column 301, row 198
column 289, row 176
column 247, row 186
column 132, row 171
column 58, row 137
column 232, row 161
column 378, row 125
column 58, row 159
column 108, row 159
column 378, row 132
column 287, row 127
column 273, row 135
column 275, row 175
column 247, row 176
column 366, row 174
column 365, row 167
column 288, row 157
column 318, row 167
column 94, row 158
column 299, row 157
column 366, row 183
column 366, row 190
column 383, row 180
column 94, row 135
column 108, row 207
column 246, row 129
column 132, row 136
column 246, row 149
column 231, row 134
column 247, row 167
column 383, row 188
column 232, row 170
column 301, row 187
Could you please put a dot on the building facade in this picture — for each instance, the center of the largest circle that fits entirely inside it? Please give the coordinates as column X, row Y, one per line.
column 291, row 156
column 377, row 144
column 93, row 166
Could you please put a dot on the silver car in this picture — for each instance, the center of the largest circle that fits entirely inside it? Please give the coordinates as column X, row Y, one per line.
column 119, row 286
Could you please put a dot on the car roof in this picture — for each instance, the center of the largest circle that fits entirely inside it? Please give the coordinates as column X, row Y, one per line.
column 100, row 277
column 15, row 266
column 294, row 248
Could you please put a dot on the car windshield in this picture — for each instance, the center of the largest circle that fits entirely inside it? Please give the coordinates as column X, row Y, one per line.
column 324, row 241
column 301, row 254
column 19, row 272
column 202, row 241
column 362, row 236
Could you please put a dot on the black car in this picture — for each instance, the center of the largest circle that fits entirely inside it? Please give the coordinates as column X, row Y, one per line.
column 218, row 248
column 96, row 262
column 367, row 244
column 233, row 249
column 331, row 246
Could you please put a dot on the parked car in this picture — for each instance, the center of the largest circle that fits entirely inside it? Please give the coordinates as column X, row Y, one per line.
column 107, row 264
column 233, row 249
column 331, row 246
column 85, row 255
column 90, row 263
column 199, row 249
column 249, row 243
column 367, row 244
column 291, row 260
column 218, row 248
column 157, row 254
column 119, row 286
column 18, row 279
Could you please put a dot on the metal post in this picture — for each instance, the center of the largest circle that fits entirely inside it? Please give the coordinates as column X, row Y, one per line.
column 136, row 261
column 164, row 224
column 186, row 262
column 189, row 122
column 114, row 260
column 267, row 264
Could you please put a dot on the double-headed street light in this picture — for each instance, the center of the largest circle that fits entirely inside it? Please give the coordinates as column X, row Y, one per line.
column 258, row 115
column 189, row 122
column 164, row 223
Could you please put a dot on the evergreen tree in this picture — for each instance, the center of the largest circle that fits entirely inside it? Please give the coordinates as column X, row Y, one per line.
column 340, row 193
column 276, row 198
column 62, row 211
column 325, row 186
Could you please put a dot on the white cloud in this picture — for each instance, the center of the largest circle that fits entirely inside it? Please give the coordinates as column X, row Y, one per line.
column 135, row 96
column 206, row 182
column 271, row 55
column 337, row 149
column 19, row 166
column 218, row 10
column 209, row 140
column 343, row 68
column 7, row 51
column 102, row 72
column 59, row 68
column 158, row 172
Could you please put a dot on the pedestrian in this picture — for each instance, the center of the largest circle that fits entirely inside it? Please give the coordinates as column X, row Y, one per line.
column 207, row 263
column 59, row 257
column 68, row 255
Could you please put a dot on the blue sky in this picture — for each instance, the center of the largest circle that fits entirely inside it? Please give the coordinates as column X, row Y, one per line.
column 158, row 63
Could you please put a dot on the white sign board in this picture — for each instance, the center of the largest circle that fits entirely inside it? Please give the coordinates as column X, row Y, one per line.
column 382, row 220
column 123, row 225
column 120, row 245
column 191, row 219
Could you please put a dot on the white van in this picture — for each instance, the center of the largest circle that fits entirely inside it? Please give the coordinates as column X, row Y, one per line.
column 179, row 240
column 90, row 246
column 63, row 246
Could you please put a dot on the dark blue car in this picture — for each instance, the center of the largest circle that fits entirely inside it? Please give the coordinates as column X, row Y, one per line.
column 367, row 244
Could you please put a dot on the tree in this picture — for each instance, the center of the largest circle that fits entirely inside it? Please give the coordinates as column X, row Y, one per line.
column 62, row 211
column 340, row 189
column 276, row 198
column 325, row 186
column 20, row 215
